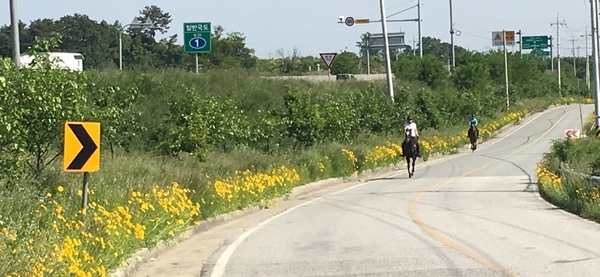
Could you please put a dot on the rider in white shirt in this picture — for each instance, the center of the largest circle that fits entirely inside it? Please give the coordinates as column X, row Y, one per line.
column 411, row 133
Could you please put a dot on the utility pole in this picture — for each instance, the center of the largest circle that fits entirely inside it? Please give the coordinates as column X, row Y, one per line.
column 587, row 60
column 574, row 64
column 558, row 51
column 505, row 69
column 368, row 54
column 420, row 38
column 452, row 38
column 14, row 27
column 594, row 19
column 388, row 63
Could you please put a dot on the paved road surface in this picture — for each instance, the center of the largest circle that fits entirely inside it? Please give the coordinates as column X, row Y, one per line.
column 472, row 214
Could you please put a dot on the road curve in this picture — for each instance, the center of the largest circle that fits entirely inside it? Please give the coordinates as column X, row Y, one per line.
column 474, row 214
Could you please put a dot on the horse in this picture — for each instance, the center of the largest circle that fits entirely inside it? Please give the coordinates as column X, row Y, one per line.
column 410, row 152
column 473, row 134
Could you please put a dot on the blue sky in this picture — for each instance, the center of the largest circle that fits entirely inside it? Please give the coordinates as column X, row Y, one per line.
column 311, row 25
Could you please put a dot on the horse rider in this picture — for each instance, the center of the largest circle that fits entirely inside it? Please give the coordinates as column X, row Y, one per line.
column 411, row 133
column 473, row 121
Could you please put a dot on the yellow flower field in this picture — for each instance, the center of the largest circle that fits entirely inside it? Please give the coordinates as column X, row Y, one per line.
column 382, row 155
column 353, row 160
column 246, row 187
column 63, row 241
column 548, row 179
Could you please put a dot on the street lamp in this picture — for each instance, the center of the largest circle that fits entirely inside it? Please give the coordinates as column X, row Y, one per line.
column 135, row 24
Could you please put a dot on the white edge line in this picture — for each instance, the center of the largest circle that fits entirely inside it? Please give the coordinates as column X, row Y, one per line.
column 219, row 267
column 221, row 263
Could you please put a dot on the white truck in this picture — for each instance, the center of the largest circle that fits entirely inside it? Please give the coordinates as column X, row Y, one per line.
column 70, row 61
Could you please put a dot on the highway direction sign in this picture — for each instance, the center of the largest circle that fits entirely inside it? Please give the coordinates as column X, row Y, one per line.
column 535, row 42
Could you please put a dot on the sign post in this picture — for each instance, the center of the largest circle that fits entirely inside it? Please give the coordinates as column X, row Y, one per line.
column 504, row 38
column 82, row 151
column 328, row 60
column 197, row 39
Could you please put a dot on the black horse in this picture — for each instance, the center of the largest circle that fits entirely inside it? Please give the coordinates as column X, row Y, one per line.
column 473, row 135
column 410, row 153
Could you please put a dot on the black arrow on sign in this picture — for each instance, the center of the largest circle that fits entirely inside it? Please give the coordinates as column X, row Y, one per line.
column 89, row 146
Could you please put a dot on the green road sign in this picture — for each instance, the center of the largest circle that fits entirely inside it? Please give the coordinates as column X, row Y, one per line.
column 535, row 42
column 541, row 53
column 197, row 37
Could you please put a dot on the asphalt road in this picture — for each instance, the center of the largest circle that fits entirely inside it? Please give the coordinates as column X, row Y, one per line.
column 471, row 214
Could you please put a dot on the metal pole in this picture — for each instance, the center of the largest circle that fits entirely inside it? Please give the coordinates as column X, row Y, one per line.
column 587, row 61
column 84, row 196
column 574, row 64
column 558, row 55
column 368, row 55
column 452, row 37
column 14, row 22
column 388, row 63
column 197, row 66
column 120, row 50
column 594, row 18
column 520, row 44
column 420, row 38
column 505, row 70
column 551, row 54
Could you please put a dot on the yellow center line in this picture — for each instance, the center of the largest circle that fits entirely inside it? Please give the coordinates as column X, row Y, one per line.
column 448, row 242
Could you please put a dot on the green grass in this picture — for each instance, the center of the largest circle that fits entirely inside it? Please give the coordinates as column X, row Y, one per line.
column 571, row 160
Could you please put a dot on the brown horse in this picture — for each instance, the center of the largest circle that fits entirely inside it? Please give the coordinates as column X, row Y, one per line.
column 410, row 153
column 473, row 135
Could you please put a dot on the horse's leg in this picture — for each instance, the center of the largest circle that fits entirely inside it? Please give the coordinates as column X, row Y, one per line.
column 408, row 158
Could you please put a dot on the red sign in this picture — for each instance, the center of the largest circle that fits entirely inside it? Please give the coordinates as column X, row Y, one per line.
column 572, row 133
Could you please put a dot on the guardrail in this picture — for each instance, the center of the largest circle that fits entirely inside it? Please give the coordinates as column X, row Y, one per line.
column 591, row 178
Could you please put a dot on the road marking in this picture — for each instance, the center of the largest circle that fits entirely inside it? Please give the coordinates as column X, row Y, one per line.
column 219, row 267
column 445, row 240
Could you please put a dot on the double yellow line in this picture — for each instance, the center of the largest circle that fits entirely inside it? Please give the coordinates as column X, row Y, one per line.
column 448, row 242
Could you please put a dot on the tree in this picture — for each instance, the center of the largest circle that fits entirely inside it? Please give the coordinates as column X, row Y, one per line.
column 36, row 104
column 159, row 18
column 345, row 62
column 288, row 62
column 407, row 67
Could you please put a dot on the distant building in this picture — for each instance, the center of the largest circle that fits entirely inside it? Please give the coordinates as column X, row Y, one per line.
column 70, row 61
